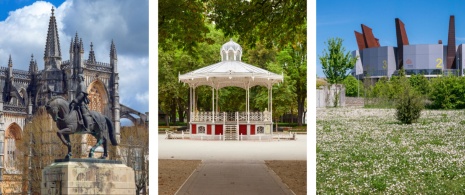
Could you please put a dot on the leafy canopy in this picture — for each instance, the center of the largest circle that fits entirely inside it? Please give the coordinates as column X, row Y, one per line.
column 335, row 61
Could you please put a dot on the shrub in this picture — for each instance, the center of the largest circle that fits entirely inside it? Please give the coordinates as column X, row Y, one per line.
column 409, row 105
column 448, row 92
column 353, row 86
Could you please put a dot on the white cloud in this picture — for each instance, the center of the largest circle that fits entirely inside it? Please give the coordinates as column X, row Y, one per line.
column 125, row 22
column 144, row 97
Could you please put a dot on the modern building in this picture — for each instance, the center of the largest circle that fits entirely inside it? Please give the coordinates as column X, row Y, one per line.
column 376, row 61
column 24, row 92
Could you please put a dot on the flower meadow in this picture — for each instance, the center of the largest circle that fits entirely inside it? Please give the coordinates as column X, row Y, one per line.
column 367, row 151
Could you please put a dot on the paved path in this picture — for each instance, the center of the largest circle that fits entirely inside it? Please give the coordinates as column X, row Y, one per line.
column 241, row 177
column 233, row 167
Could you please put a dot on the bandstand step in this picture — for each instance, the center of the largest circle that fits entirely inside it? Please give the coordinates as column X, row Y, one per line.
column 230, row 132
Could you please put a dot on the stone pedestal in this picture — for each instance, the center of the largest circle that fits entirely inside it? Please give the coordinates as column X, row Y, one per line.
column 88, row 176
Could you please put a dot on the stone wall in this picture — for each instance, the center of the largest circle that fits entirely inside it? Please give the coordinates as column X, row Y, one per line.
column 325, row 96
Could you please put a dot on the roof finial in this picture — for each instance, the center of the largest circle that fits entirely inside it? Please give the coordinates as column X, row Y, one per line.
column 10, row 62
column 52, row 10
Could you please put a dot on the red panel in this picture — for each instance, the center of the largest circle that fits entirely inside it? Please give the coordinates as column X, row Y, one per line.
column 194, row 129
column 402, row 40
column 243, row 129
column 451, row 44
column 252, row 129
column 370, row 40
column 401, row 34
column 360, row 40
column 209, row 129
column 218, row 129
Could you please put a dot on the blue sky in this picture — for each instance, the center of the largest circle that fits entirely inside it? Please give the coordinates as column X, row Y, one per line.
column 426, row 22
column 23, row 29
column 10, row 5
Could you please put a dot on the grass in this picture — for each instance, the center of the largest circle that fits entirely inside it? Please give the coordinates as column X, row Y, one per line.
column 366, row 151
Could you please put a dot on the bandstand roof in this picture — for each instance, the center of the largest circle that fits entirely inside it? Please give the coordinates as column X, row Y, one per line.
column 231, row 72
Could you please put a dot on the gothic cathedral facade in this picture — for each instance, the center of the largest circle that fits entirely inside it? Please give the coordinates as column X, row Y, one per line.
column 24, row 92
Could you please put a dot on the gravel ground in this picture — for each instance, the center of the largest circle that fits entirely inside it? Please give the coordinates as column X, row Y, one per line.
column 173, row 173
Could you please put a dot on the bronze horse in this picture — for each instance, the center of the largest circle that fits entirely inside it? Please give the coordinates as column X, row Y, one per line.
column 67, row 123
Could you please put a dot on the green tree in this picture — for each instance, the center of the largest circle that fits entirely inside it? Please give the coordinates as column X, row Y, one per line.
column 336, row 63
column 172, row 61
column 271, row 22
column 293, row 58
column 182, row 22
column 409, row 102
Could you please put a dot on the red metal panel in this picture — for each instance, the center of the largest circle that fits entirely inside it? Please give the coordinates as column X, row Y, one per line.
column 209, row 129
column 451, row 44
column 370, row 40
column 194, row 129
column 360, row 40
column 402, row 40
column 252, row 129
column 218, row 129
column 243, row 129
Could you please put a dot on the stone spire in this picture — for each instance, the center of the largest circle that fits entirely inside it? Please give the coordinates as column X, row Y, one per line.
column 10, row 62
column 113, row 51
column 91, row 54
column 71, row 46
column 52, row 46
column 33, row 65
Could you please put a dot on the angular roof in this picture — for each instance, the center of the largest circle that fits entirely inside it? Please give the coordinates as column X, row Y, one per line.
column 231, row 73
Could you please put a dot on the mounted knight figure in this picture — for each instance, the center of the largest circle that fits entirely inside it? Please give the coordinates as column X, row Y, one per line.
column 68, row 117
column 79, row 103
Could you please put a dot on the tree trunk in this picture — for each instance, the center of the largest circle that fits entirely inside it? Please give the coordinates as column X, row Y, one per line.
column 180, row 110
column 173, row 112
column 300, row 109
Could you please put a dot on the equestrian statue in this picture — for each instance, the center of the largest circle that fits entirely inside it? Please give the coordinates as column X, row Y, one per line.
column 75, row 118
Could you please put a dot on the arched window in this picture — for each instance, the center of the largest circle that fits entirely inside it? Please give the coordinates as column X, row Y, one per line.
column 13, row 134
column 231, row 55
column 224, row 55
column 98, row 101
column 238, row 56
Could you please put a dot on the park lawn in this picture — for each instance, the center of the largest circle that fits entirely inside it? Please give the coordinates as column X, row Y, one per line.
column 366, row 151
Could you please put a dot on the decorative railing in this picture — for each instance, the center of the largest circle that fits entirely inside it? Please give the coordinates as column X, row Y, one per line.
column 21, row 74
column 230, row 116
column 14, row 108
column 87, row 62
column 98, row 68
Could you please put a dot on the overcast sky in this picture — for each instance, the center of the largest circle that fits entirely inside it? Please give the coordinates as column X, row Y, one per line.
column 23, row 30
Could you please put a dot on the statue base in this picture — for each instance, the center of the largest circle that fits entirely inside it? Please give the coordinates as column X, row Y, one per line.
column 88, row 176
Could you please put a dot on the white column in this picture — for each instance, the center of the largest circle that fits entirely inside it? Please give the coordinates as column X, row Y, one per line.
column 248, row 104
column 190, row 104
column 271, row 103
column 213, row 104
column 269, row 99
column 194, row 103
